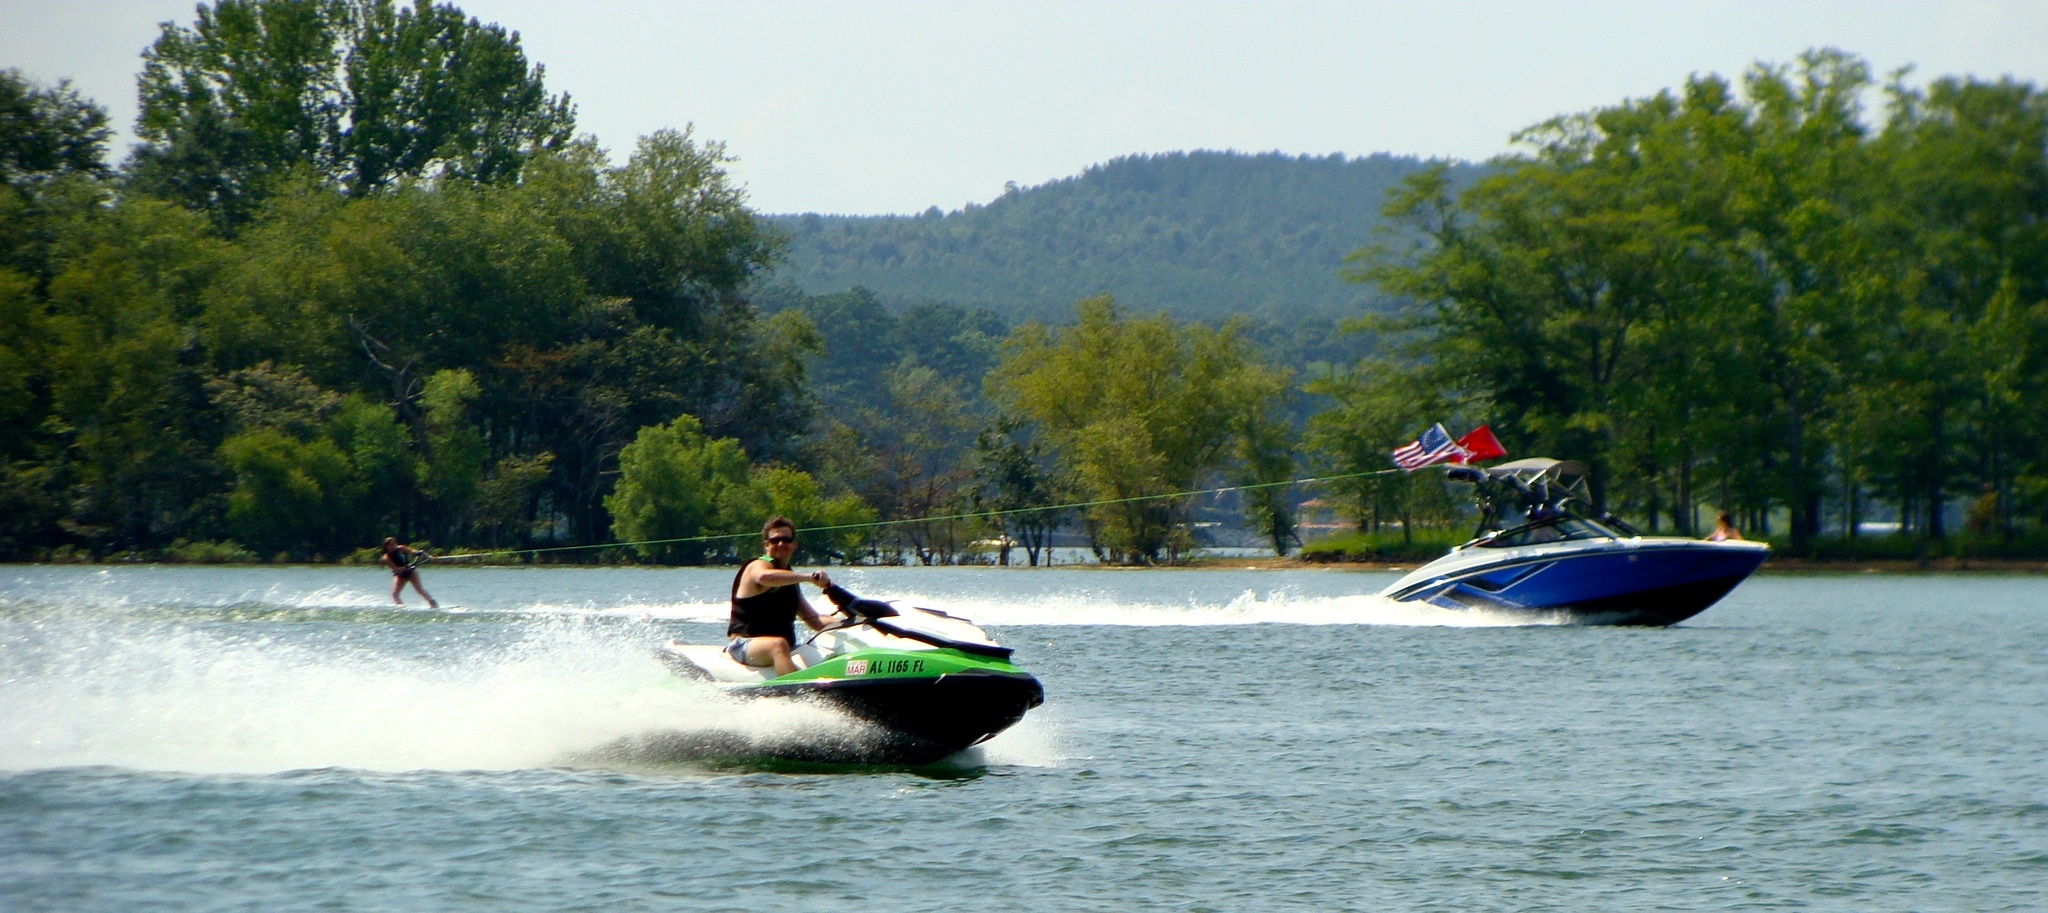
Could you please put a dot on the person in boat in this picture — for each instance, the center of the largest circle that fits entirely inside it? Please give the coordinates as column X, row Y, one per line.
column 767, row 599
column 1550, row 533
column 1724, row 529
column 404, row 562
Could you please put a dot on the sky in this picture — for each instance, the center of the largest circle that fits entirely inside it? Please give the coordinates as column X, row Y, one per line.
column 893, row 107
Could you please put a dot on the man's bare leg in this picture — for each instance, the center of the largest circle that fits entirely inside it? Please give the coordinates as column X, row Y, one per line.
column 773, row 649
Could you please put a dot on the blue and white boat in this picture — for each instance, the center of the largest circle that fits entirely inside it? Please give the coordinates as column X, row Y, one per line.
column 1542, row 554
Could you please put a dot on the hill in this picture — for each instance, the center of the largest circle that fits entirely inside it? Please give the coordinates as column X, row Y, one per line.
column 1203, row 235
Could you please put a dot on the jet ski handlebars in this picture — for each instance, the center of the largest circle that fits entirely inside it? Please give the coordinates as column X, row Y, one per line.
column 858, row 609
column 920, row 624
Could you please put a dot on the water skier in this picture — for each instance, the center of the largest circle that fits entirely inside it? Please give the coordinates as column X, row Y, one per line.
column 404, row 562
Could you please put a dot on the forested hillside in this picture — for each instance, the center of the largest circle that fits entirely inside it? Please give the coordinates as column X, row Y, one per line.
column 1201, row 235
column 388, row 303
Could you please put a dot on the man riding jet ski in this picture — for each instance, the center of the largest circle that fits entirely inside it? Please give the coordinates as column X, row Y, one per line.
column 931, row 683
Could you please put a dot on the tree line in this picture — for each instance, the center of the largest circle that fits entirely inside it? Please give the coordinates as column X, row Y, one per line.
column 357, row 280
column 1753, row 299
column 391, row 296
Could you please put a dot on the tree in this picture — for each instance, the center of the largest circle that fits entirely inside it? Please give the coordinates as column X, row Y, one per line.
column 1134, row 408
column 52, row 165
column 675, row 483
column 48, row 132
column 432, row 93
column 832, row 526
column 357, row 92
column 281, row 483
column 663, row 244
column 1666, row 283
column 1016, row 487
column 1379, row 406
column 922, row 440
column 127, row 417
column 584, row 302
column 1965, row 358
column 313, row 472
column 29, row 506
column 1266, row 460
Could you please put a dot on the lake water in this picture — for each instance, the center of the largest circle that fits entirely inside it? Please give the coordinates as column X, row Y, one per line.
column 185, row 738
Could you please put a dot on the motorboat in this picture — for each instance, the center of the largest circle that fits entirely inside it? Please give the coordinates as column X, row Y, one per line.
column 1542, row 553
column 926, row 684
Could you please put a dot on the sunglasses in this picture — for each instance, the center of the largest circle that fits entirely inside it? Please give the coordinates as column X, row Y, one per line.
column 781, row 540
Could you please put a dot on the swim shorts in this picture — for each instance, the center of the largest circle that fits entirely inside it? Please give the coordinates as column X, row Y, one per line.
column 738, row 650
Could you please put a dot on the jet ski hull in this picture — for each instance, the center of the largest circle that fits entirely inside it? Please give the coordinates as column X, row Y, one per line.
column 922, row 719
column 919, row 705
column 1646, row 582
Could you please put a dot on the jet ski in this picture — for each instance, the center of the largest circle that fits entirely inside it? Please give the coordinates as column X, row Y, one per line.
column 928, row 683
column 1541, row 553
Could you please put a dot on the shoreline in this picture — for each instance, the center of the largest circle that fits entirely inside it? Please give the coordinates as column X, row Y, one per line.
column 1773, row 565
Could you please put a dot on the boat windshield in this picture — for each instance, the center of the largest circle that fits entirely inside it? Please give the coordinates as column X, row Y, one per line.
column 1552, row 529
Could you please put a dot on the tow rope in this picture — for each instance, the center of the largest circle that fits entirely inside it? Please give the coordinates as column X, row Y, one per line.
column 875, row 524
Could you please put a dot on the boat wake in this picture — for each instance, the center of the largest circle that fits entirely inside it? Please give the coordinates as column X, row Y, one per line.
column 199, row 697
column 1085, row 608
column 1249, row 608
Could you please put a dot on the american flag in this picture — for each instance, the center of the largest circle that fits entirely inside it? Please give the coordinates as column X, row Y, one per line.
column 1434, row 446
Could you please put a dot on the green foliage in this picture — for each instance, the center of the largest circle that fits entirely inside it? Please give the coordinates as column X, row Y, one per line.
column 433, row 315
column 460, row 359
column 899, row 407
column 568, row 311
column 186, row 552
column 454, row 466
column 377, row 446
column 1265, row 457
column 95, row 439
column 52, row 151
column 1383, row 546
column 23, row 339
column 432, row 93
column 314, row 472
column 440, row 278
column 45, row 132
column 1135, row 406
column 1378, row 407
column 358, row 92
column 829, row 526
column 286, row 489
column 862, row 340
column 1750, row 299
column 675, row 483
column 125, row 430
column 1015, row 483
column 1201, row 235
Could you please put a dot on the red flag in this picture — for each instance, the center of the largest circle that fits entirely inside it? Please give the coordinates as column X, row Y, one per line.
column 1480, row 445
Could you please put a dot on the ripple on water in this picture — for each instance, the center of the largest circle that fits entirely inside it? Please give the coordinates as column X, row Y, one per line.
column 278, row 738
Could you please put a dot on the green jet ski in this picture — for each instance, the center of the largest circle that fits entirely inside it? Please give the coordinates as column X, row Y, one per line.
column 930, row 683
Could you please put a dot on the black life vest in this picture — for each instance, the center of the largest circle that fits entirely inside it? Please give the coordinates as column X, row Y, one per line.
column 771, row 613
